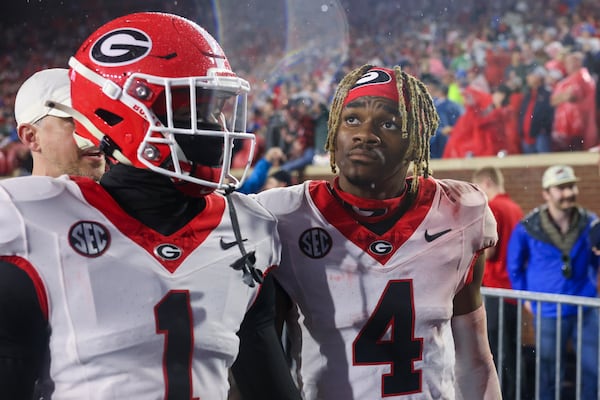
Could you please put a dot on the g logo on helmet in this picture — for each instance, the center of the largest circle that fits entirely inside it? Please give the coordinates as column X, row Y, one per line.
column 121, row 47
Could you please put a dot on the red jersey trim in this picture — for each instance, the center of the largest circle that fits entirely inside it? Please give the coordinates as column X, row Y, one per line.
column 335, row 213
column 38, row 284
column 187, row 238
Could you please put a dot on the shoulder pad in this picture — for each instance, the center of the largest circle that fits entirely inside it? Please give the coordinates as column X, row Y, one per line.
column 284, row 200
column 463, row 193
column 468, row 204
column 12, row 227
column 34, row 188
column 249, row 203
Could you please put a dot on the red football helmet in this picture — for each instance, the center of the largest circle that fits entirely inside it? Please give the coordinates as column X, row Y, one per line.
column 156, row 91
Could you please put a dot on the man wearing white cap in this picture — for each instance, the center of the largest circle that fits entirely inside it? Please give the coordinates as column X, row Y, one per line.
column 549, row 251
column 49, row 132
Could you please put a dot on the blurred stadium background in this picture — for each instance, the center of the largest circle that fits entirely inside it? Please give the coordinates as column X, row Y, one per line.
column 298, row 49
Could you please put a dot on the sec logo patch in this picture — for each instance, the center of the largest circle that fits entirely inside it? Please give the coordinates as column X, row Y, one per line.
column 89, row 238
column 315, row 242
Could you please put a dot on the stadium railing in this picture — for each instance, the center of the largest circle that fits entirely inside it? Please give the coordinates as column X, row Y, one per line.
column 560, row 300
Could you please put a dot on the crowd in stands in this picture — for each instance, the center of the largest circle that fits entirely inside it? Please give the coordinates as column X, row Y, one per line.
column 507, row 77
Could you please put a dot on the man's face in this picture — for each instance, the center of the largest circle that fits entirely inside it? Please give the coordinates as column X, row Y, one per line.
column 371, row 149
column 562, row 197
column 60, row 154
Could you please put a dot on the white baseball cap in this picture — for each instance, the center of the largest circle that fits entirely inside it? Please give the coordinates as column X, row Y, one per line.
column 557, row 175
column 46, row 85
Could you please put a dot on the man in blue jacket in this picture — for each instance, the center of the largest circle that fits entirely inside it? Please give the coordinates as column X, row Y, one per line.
column 549, row 251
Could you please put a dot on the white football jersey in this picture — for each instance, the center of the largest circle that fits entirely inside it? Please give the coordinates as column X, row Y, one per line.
column 134, row 314
column 374, row 310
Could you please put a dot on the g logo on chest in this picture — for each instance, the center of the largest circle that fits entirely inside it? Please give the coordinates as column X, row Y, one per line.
column 168, row 252
column 381, row 247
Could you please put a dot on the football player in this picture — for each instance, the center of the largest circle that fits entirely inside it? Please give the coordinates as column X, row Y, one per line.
column 382, row 266
column 135, row 287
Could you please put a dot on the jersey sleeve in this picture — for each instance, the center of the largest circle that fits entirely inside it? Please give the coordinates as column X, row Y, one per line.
column 470, row 209
column 12, row 228
column 490, row 230
column 471, row 206
column 284, row 200
column 267, row 229
column 23, row 333
column 23, row 306
column 261, row 370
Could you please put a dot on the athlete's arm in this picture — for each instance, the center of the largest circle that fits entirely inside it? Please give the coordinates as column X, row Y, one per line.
column 23, row 334
column 469, row 298
column 476, row 376
column 261, row 370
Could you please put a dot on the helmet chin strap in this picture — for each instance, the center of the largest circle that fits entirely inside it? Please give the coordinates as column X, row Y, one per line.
column 250, row 274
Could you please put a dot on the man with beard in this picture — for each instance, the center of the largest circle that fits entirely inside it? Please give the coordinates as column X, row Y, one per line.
column 550, row 252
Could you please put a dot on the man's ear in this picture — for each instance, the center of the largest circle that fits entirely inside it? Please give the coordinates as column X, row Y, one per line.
column 28, row 135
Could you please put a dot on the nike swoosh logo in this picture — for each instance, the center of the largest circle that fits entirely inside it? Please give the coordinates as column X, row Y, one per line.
column 431, row 238
column 228, row 245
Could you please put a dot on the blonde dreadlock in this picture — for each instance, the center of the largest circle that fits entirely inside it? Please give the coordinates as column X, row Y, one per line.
column 420, row 121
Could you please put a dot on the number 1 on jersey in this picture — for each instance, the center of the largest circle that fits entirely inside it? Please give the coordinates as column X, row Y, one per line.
column 388, row 337
column 174, row 320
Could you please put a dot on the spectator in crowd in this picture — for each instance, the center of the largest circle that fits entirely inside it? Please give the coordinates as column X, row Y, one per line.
column 550, row 252
column 49, row 133
column 497, row 59
column 536, row 114
column 301, row 136
column 448, row 111
column 455, row 38
column 276, row 122
column 497, row 126
column 507, row 214
column 488, row 126
column 574, row 99
column 273, row 157
column 556, row 53
column 517, row 70
column 280, row 178
column 135, row 287
column 465, row 140
column 376, row 311
column 15, row 158
column 321, row 115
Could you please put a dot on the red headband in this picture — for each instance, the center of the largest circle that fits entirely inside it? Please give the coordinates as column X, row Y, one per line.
column 377, row 81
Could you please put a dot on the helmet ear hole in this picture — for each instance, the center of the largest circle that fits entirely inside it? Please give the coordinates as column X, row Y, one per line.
column 110, row 118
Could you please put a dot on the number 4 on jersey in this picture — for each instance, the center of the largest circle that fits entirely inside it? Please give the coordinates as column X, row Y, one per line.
column 388, row 338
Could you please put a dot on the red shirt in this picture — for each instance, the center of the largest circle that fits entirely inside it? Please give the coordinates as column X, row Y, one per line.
column 507, row 214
